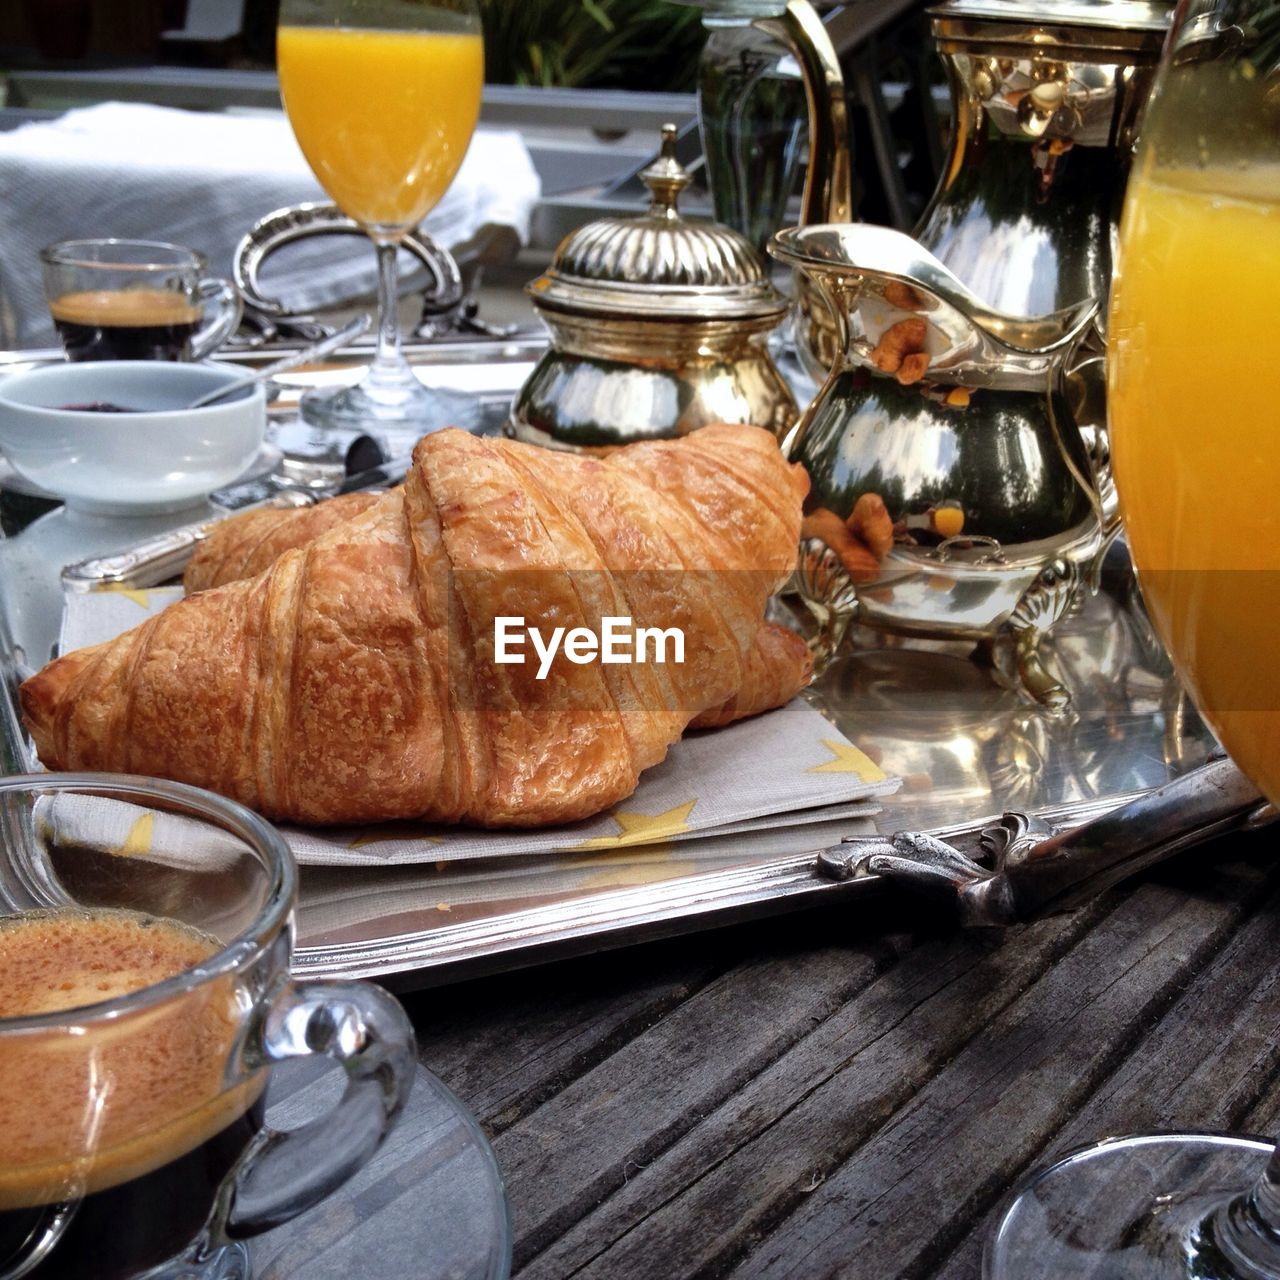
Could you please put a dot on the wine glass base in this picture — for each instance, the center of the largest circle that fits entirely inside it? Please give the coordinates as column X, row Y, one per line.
column 397, row 416
column 1136, row 1207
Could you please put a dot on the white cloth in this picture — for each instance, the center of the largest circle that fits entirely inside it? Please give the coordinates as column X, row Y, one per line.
column 201, row 180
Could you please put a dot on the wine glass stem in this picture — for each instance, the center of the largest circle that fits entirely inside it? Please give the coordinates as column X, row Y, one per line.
column 388, row 357
column 1247, row 1228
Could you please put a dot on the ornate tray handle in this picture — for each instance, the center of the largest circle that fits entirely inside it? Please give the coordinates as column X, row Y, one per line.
column 1034, row 871
column 299, row 221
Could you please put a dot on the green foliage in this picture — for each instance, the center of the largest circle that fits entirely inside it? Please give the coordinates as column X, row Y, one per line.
column 577, row 44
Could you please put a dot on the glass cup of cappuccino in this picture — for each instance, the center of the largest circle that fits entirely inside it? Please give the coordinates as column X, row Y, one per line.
column 145, row 936
column 136, row 300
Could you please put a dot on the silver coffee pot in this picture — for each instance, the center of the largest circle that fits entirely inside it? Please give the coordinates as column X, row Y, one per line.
column 963, row 365
column 1045, row 98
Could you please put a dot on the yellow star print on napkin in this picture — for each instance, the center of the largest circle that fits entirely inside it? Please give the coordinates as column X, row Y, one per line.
column 396, row 829
column 141, row 598
column 138, row 839
column 642, row 828
column 848, row 759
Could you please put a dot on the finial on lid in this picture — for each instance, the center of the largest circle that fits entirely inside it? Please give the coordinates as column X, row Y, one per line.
column 666, row 177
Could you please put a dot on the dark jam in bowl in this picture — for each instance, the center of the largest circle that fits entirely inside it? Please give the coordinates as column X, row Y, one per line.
column 99, row 406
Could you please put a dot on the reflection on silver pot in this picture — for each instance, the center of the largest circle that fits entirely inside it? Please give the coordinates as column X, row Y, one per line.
column 963, row 367
column 1044, row 101
column 659, row 325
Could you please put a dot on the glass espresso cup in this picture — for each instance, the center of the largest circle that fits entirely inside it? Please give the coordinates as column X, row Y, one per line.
column 145, row 936
column 136, row 300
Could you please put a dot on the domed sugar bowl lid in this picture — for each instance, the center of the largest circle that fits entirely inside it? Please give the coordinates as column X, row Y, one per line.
column 658, row 266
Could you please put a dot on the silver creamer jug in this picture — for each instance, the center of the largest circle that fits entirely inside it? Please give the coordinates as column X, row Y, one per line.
column 963, row 365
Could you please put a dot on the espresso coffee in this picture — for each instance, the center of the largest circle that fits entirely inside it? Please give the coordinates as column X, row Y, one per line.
column 125, row 324
column 114, row 1137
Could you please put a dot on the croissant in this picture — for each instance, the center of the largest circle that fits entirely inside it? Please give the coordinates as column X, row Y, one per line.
column 244, row 545
column 776, row 665
column 356, row 678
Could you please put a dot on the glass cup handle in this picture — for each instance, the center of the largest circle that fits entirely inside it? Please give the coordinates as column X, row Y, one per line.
column 366, row 1031
column 226, row 320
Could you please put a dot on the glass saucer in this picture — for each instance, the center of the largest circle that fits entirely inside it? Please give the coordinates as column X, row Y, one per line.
column 430, row 1203
column 397, row 416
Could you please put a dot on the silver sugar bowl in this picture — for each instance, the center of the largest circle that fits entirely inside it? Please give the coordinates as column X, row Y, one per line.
column 659, row 325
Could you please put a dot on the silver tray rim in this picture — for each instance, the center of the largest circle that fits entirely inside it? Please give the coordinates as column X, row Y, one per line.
column 596, row 921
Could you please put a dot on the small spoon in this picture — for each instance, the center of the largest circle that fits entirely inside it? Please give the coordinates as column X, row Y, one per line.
column 316, row 351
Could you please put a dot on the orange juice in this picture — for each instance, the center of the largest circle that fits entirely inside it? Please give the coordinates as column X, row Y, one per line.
column 383, row 117
column 1194, row 395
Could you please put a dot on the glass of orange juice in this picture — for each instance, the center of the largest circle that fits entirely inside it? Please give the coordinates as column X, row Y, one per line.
column 383, row 97
column 1194, row 403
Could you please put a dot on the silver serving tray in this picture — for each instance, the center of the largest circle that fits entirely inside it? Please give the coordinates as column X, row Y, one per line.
column 948, row 720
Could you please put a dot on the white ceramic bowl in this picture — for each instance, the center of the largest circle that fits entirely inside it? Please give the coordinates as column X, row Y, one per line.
column 159, row 459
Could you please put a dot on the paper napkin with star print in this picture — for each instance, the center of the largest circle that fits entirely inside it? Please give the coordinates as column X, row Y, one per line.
column 335, row 904
column 788, row 767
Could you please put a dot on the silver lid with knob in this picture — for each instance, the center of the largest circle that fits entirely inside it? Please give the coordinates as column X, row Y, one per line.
column 659, row 265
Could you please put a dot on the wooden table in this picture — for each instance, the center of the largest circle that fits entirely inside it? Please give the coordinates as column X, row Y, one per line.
column 853, row 1091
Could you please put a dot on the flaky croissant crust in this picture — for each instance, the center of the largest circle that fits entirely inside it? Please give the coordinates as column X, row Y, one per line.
column 354, row 680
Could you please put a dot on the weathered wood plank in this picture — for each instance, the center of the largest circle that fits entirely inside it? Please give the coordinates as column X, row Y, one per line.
column 909, row 1196
column 1263, row 1118
column 1209, row 1063
column 966, row 1262
column 776, row 1138
column 607, row 1125
column 506, row 1043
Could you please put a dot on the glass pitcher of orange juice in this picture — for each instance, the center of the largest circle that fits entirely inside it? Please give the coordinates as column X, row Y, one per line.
column 1194, row 400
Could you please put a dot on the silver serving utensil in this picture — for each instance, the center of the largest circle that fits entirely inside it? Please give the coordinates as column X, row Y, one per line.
column 316, row 351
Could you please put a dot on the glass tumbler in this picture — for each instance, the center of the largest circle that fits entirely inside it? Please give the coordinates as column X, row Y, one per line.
column 132, row 1137
column 136, row 300
column 1193, row 387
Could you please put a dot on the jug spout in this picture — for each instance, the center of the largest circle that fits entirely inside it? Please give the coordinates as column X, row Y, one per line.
column 901, row 311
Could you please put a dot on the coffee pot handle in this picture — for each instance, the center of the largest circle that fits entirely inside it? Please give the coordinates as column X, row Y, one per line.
column 366, row 1032
column 828, row 182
